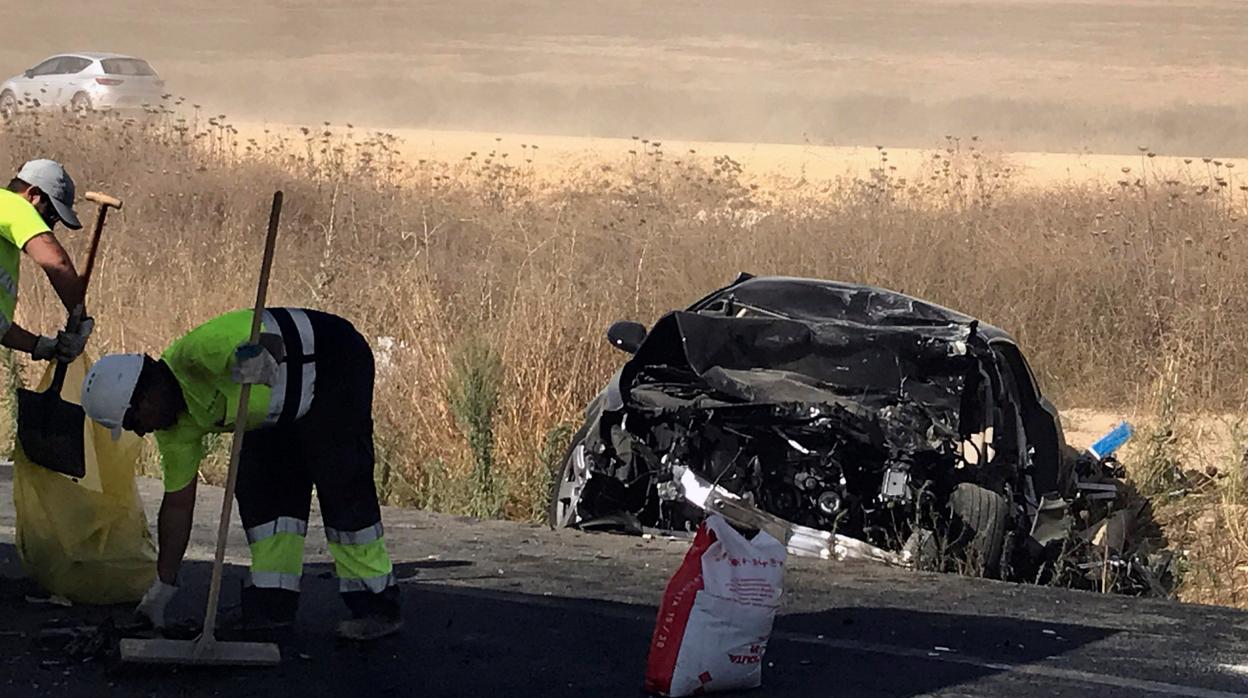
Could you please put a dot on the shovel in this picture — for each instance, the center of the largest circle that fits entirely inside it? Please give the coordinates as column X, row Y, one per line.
column 49, row 428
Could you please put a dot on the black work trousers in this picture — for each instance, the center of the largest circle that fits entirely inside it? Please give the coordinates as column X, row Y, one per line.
column 329, row 448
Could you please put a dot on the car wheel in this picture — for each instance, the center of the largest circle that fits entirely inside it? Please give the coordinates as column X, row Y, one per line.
column 978, row 527
column 8, row 105
column 80, row 104
column 568, row 484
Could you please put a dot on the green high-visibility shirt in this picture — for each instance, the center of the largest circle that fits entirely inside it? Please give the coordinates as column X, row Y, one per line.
column 19, row 222
column 201, row 361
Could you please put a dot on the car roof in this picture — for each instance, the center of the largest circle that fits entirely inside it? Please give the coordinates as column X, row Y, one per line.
column 94, row 55
column 863, row 303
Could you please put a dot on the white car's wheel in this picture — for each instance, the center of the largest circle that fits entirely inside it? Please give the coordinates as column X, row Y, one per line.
column 8, row 105
column 81, row 103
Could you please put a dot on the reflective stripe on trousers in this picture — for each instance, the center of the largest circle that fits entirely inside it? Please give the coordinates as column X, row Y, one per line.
column 361, row 562
column 277, row 553
column 282, row 524
column 274, row 580
column 375, row 585
column 360, row 559
column 360, row 537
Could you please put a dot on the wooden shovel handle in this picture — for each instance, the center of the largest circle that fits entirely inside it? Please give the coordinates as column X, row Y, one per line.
column 71, row 324
column 95, row 245
column 106, row 202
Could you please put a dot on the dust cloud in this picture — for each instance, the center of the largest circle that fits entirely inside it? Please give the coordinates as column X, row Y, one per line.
column 1057, row 75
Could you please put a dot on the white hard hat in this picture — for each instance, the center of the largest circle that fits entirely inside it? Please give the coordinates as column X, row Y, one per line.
column 108, row 388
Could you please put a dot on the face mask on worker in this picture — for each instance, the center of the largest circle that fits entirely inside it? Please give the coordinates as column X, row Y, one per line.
column 46, row 210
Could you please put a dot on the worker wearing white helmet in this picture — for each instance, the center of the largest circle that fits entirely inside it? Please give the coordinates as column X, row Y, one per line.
column 311, row 407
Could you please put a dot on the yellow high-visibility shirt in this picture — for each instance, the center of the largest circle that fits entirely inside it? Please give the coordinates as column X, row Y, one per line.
column 201, row 361
column 19, row 222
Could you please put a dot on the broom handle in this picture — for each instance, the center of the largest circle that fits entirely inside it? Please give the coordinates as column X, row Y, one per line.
column 240, row 428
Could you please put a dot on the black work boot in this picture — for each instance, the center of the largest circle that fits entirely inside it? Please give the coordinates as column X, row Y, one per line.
column 262, row 612
column 367, row 628
column 374, row 615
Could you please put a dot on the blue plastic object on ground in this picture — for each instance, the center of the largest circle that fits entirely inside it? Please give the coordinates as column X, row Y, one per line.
column 1110, row 442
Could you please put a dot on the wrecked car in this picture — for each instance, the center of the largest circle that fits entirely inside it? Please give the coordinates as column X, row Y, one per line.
column 898, row 430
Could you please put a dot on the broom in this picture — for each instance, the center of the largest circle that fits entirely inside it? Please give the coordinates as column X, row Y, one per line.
column 206, row 649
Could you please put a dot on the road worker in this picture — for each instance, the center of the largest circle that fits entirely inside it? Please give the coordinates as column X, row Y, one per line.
column 309, row 424
column 40, row 196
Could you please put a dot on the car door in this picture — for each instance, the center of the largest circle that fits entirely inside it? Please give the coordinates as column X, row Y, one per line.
column 64, row 83
column 35, row 82
column 61, row 84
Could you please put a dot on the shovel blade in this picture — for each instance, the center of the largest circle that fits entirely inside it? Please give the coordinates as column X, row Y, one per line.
column 49, row 430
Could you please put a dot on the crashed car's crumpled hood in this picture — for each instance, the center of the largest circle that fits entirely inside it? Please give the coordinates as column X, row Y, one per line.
column 772, row 360
column 917, row 376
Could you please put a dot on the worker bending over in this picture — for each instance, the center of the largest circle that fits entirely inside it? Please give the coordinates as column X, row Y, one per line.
column 309, row 423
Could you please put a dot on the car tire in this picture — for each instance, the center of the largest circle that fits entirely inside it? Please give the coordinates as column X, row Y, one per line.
column 568, row 482
column 80, row 104
column 8, row 105
column 978, row 527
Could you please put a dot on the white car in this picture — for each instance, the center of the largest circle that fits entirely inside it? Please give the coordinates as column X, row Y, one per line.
column 83, row 82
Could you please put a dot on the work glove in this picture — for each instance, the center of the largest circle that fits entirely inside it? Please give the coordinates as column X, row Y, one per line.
column 254, row 364
column 69, row 345
column 152, row 607
column 45, row 349
column 66, row 346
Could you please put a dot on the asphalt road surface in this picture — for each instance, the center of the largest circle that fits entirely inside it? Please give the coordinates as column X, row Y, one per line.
column 503, row 609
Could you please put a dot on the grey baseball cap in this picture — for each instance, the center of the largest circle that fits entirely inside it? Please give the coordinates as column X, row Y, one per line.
column 52, row 180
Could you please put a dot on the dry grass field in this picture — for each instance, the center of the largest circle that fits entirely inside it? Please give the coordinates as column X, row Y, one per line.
column 782, row 165
column 1039, row 75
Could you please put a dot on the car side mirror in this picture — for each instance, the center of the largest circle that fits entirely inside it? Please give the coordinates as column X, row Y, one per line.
column 29, row 72
column 627, row 336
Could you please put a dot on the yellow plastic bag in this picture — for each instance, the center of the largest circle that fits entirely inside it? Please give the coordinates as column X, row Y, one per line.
column 86, row 540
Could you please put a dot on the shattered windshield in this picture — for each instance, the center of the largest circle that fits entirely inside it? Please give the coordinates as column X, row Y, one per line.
column 804, row 299
column 728, row 306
